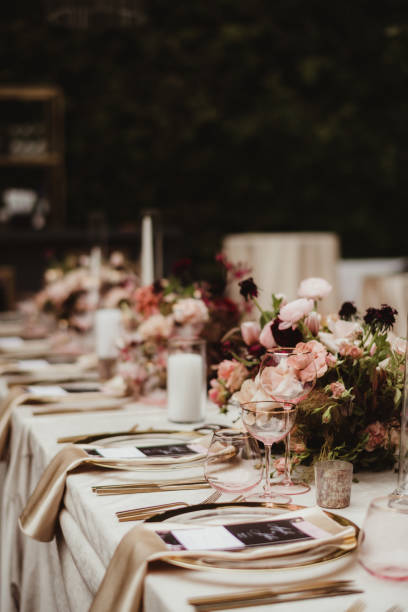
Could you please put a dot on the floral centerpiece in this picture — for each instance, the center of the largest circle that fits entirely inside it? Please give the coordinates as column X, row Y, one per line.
column 73, row 290
column 168, row 308
column 353, row 412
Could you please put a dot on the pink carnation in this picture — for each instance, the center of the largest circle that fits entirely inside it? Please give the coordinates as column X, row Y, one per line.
column 377, row 435
column 314, row 288
column 350, row 350
column 337, row 388
column 292, row 312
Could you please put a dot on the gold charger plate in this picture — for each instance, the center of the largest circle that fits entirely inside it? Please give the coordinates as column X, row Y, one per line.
column 217, row 513
column 146, row 439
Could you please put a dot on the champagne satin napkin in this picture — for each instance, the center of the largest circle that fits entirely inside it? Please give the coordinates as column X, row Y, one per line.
column 122, row 586
column 58, row 404
column 39, row 518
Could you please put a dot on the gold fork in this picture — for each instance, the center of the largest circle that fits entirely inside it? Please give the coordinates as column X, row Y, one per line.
column 138, row 514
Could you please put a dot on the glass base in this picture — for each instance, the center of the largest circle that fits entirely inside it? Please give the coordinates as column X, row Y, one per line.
column 290, row 487
column 267, row 497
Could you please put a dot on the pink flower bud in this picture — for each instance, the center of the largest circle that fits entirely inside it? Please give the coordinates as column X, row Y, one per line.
column 266, row 338
column 313, row 322
column 250, row 331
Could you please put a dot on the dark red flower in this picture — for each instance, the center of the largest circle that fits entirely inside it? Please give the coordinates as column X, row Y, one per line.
column 285, row 337
column 181, row 266
column 248, row 288
column 347, row 311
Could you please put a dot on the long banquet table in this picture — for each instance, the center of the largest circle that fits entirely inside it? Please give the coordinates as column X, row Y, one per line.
column 64, row 575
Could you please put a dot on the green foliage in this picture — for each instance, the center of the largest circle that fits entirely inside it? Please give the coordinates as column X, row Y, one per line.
column 232, row 116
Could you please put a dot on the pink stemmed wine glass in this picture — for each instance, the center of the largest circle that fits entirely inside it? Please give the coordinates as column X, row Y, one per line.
column 269, row 422
column 288, row 376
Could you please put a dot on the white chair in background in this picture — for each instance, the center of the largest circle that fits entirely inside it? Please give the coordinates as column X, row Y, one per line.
column 280, row 261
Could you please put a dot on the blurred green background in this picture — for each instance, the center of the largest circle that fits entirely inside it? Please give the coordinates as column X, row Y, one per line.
column 232, row 116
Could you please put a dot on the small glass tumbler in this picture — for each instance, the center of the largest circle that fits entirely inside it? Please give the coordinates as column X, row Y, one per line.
column 234, row 461
column 186, row 380
column 383, row 539
column 333, row 483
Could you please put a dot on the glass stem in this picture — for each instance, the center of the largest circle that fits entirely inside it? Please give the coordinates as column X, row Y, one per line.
column 267, row 486
column 286, row 474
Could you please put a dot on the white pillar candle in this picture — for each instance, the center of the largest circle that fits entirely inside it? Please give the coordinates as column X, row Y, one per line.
column 146, row 258
column 107, row 331
column 185, row 387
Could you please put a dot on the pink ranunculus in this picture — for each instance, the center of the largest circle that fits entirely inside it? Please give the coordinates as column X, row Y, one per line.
column 292, row 312
column 266, row 337
column 377, row 436
column 350, row 350
column 331, row 360
column 340, row 331
column 250, row 331
column 190, row 310
column 217, row 392
column 314, row 288
column 337, row 388
column 155, row 327
column 117, row 259
column 398, row 345
column 313, row 322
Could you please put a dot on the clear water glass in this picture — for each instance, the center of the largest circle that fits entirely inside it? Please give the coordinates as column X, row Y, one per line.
column 234, row 462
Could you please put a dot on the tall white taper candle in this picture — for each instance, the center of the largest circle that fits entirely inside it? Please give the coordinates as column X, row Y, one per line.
column 146, row 258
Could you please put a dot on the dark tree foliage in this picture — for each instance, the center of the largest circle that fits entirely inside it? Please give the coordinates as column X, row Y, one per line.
column 232, row 116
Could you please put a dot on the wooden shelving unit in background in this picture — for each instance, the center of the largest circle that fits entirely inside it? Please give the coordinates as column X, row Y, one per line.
column 51, row 162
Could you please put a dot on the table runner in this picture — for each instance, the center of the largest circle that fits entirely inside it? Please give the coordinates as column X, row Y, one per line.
column 63, row 575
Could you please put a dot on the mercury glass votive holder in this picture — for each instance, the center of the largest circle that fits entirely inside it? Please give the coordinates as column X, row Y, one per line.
column 333, row 483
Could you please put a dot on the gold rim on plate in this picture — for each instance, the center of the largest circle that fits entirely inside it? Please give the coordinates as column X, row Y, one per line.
column 288, row 562
column 140, row 463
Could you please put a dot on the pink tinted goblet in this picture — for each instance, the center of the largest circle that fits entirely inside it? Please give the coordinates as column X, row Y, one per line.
column 269, row 422
column 288, row 376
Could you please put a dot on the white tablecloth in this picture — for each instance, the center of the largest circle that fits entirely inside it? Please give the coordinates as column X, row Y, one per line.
column 64, row 575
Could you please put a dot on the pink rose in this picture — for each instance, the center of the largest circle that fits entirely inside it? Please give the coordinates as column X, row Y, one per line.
column 314, row 288
column 377, row 435
column 292, row 312
column 250, row 331
column 233, row 373
column 266, row 337
column 337, row 388
column 155, row 327
column 191, row 311
column 311, row 366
